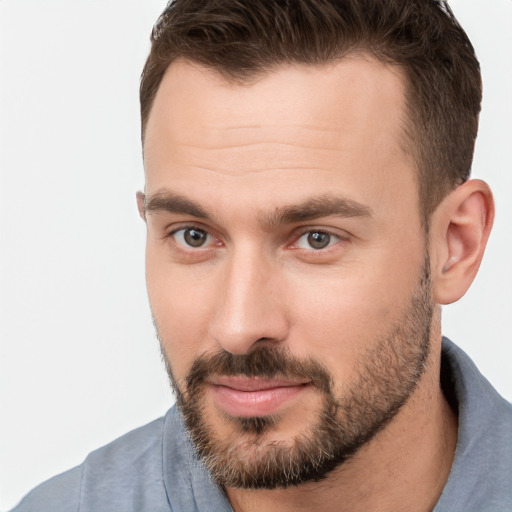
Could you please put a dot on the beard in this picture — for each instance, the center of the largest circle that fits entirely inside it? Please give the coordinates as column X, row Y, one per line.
column 386, row 375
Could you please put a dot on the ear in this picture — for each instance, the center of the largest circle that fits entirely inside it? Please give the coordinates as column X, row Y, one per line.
column 141, row 205
column 460, row 228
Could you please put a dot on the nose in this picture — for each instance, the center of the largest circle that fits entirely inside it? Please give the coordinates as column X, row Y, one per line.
column 251, row 306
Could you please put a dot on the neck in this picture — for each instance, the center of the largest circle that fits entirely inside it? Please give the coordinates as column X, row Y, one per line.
column 404, row 467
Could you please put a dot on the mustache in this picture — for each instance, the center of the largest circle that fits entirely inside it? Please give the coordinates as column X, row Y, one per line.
column 264, row 362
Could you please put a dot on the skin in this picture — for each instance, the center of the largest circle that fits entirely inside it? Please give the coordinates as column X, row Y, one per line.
column 242, row 154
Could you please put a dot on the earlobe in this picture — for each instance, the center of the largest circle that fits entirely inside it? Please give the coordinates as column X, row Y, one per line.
column 460, row 227
column 141, row 205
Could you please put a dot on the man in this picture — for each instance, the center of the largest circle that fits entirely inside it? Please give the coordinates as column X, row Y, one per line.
column 308, row 210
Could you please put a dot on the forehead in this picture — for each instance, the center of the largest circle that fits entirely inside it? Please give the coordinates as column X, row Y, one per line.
column 294, row 125
column 328, row 97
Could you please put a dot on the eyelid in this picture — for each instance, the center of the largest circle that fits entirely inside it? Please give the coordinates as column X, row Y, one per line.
column 212, row 239
column 337, row 232
column 172, row 228
column 340, row 235
column 176, row 229
column 170, row 232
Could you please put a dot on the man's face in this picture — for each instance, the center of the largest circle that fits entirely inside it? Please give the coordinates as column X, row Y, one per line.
column 286, row 264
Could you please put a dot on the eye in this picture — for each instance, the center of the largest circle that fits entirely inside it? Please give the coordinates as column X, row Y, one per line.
column 316, row 240
column 192, row 237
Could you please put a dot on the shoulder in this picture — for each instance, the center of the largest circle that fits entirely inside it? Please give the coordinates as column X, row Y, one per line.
column 107, row 475
column 481, row 475
column 62, row 493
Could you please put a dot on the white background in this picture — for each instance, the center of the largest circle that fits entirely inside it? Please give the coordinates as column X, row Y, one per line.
column 79, row 362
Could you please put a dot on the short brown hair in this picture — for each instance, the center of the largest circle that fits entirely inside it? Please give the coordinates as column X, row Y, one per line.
column 243, row 39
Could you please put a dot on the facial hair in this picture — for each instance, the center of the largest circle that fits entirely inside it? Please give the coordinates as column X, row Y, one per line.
column 387, row 375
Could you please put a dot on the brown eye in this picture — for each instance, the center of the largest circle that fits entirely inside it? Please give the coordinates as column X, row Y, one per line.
column 195, row 237
column 192, row 237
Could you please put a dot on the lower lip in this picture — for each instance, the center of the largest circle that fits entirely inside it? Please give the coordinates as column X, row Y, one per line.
column 249, row 404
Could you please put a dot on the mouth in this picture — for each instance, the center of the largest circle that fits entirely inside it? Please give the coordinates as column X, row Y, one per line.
column 248, row 397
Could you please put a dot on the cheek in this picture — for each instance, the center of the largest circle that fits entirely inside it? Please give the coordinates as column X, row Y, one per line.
column 339, row 324
column 344, row 316
column 179, row 304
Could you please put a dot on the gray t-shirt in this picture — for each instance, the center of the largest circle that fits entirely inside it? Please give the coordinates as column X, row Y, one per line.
column 155, row 469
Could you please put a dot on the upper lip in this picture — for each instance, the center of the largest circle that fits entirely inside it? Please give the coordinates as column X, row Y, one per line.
column 242, row 383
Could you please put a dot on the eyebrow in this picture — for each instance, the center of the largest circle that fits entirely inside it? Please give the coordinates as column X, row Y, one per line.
column 173, row 203
column 326, row 205
column 315, row 207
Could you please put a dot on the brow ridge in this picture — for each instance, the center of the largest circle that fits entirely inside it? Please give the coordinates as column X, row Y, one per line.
column 174, row 203
column 326, row 205
column 315, row 207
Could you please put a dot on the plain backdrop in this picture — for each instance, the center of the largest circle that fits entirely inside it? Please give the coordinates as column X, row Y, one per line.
column 79, row 361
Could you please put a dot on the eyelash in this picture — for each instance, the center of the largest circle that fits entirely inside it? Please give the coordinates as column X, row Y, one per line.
column 293, row 245
column 172, row 235
column 335, row 238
